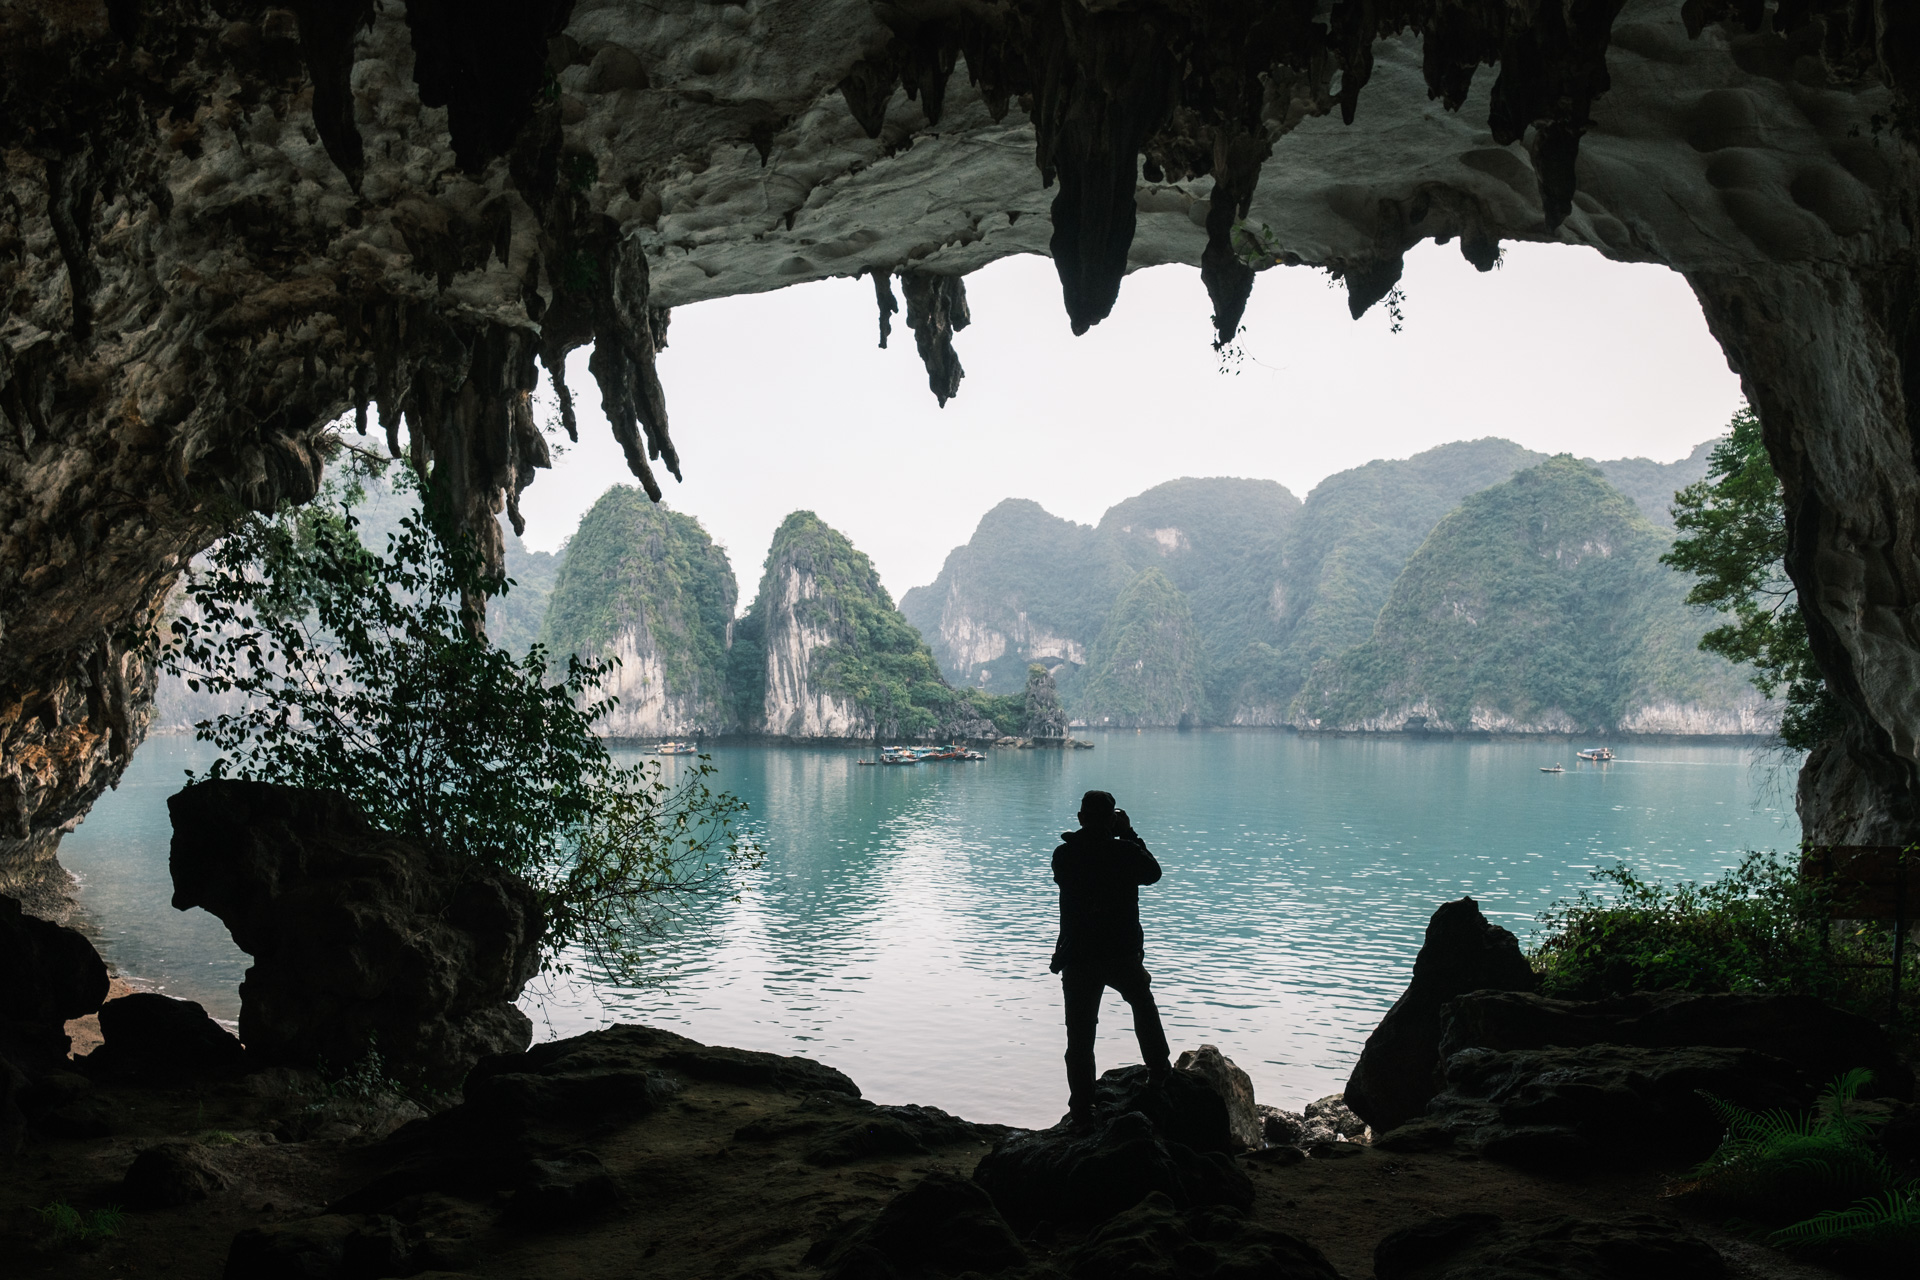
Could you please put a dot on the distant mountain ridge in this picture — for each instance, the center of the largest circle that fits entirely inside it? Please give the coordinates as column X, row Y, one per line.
column 1539, row 605
column 1274, row 586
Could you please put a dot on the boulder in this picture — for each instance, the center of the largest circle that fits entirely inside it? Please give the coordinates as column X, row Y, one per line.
column 152, row 1037
column 1184, row 1107
column 1824, row 1041
column 1333, row 1115
column 1245, row 1130
column 1398, row 1070
column 1570, row 1110
column 943, row 1225
column 1068, row 1175
column 1281, row 1128
column 48, row 975
column 1632, row 1247
column 1155, row 1241
column 173, row 1173
column 361, row 941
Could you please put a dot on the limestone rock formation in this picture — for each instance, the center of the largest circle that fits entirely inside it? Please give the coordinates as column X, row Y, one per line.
column 822, row 652
column 1538, row 606
column 360, row 941
column 646, row 585
column 1046, row 719
column 229, row 223
column 1027, row 587
column 1398, row 1070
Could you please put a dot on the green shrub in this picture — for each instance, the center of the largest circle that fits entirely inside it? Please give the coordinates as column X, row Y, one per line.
column 1759, row 927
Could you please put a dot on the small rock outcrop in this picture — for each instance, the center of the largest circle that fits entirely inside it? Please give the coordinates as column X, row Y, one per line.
column 148, row 1036
column 48, row 975
column 1634, row 1247
column 1173, row 1140
column 1821, row 1040
column 1398, row 1069
column 361, row 941
column 1245, row 1127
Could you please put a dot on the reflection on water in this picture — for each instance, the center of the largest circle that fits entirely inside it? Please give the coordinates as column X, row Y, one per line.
column 901, row 926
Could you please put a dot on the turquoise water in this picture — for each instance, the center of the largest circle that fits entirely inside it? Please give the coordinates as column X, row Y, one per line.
column 901, row 925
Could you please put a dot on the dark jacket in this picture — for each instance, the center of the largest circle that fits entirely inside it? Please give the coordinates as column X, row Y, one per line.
column 1100, row 878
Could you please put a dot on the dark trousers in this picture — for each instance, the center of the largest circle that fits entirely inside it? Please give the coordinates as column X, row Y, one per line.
column 1083, row 985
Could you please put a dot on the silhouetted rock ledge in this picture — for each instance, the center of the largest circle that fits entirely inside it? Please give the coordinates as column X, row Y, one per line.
column 637, row 1151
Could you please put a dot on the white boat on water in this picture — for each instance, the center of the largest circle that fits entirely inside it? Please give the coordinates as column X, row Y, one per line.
column 676, row 749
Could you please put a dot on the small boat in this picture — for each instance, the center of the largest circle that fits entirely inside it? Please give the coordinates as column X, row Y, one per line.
column 676, row 749
column 863, row 762
column 1545, row 768
column 1596, row 755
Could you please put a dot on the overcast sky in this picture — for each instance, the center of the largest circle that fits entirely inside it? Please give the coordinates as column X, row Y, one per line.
column 782, row 401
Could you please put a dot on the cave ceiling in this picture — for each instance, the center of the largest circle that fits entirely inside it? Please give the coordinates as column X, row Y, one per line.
column 225, row 224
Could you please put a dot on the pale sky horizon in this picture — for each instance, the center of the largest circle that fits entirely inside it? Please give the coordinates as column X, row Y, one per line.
column 781, row 401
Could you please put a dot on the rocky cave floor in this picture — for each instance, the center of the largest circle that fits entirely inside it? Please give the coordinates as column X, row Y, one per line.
column 650, row 1155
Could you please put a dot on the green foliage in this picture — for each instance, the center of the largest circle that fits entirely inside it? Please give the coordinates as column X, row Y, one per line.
column 1759, row 927
column 1877, row 1231
column 358, row 673
column 1145, row 668
column 1007, row 711
column 1819, row 1173
column 634, row 563
column 1536, row 599
column 68, row 1227
column 1733, row 538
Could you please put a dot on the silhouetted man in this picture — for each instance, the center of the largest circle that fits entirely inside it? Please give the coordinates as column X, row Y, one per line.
column 1100, row 869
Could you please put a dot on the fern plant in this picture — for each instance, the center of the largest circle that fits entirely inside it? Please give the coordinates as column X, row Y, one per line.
column 1776, row 1165
column 1816, row 1172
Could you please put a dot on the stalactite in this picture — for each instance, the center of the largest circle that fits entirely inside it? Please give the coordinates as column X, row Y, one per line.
column 936, row 310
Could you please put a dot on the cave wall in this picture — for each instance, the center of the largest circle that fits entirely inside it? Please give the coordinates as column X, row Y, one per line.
column 228, row 223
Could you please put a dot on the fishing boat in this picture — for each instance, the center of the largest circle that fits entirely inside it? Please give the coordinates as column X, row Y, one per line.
column 1596, row 755
column 676, row 749
column 1545, row 768
column 898, row 755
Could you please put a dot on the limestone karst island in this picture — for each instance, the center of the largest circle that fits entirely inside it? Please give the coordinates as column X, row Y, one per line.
column 964, row 639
